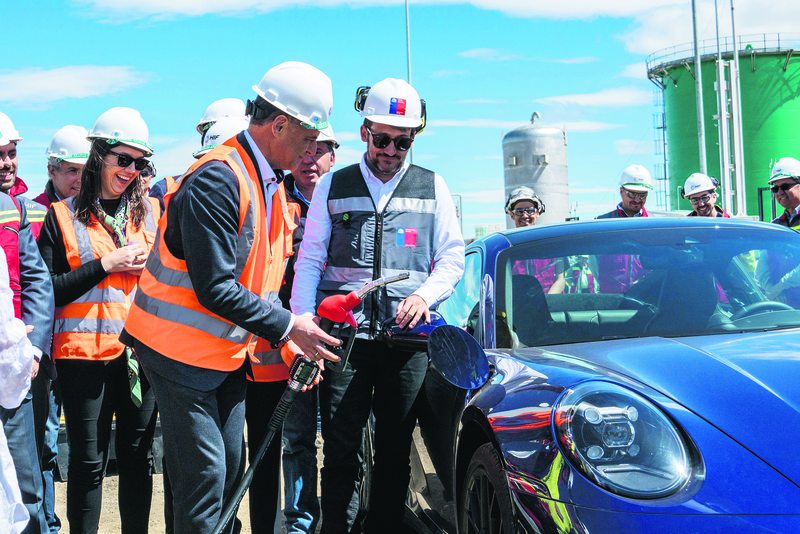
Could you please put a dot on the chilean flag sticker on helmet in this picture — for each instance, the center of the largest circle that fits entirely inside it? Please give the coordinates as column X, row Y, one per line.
column 397, row 106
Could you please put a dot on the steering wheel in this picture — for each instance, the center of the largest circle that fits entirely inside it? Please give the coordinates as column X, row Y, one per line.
column 758, row 307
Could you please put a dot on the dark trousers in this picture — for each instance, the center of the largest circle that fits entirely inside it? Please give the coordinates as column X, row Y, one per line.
column 203, row 445
column 262, row 398
column 92, row 394
column 18, row 427
column 387, row 381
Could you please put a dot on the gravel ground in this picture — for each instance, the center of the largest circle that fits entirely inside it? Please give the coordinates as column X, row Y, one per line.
column 109, row 518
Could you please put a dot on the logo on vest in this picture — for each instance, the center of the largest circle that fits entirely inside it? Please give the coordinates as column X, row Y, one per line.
column 406, row 237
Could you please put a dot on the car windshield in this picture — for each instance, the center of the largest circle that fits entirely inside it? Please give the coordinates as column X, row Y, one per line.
column 668, row 282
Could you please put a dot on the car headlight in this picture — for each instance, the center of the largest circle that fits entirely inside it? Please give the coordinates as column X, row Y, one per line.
column 622, row 441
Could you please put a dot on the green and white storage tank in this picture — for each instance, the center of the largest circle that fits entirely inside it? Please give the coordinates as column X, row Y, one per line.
column 769, row 73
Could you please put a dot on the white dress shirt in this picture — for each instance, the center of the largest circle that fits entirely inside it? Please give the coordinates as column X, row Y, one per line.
column 448, row 244
column 270, row 181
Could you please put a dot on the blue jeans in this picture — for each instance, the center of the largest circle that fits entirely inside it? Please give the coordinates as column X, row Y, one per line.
column 50, row 458
column 46, row 415
column 301, row 506
column 19, row 430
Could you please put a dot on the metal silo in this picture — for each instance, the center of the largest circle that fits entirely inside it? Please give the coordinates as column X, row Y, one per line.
column 770, row 101
column 536, row 156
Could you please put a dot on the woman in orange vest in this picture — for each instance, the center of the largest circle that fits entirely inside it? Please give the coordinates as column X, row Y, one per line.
column 95, row 245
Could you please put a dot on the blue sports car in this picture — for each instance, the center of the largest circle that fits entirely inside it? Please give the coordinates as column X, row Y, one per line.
column 619, row 376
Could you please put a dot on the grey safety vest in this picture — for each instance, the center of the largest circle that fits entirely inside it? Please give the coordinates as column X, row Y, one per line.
column 366, row 245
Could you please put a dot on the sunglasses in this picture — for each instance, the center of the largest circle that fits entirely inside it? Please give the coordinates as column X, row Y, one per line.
column 636, row 196
column 519, row 212
column 401, row 142
column 782, row 187
column 124, row 160
column 700, row 200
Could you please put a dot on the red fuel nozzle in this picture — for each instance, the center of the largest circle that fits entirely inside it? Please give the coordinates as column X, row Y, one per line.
column 339, row 308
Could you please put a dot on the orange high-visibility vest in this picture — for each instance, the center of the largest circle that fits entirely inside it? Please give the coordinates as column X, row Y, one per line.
column 166, row 314
column 89, row 327
column 268, row 364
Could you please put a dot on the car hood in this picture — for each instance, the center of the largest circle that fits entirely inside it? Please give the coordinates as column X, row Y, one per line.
column 747, row 385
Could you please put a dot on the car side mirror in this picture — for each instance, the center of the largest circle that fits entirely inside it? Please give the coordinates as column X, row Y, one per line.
column 457, row 357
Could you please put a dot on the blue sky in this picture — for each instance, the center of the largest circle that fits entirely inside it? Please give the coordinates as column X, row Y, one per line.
column 483, row 67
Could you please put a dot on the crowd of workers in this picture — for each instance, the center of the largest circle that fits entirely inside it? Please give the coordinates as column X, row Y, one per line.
column 186, row 299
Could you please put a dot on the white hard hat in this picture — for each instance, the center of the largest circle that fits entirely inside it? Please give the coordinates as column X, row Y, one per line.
column 785, row 168
column 326, row 135
column 393, row 102
column 70, row 144
column 524, row 193
column 300, row 90
column 221, row 131
column 697, row 183
column 224, row 107
column 636, row 178
column 8, row 133
column 122, row 125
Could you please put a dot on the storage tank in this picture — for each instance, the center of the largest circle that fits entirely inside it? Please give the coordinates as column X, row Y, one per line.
column 535, row 155
column 770, row 101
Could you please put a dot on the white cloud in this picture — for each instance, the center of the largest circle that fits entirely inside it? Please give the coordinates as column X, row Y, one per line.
column 656, row 24
column 574, row 60
column 633, row 146
column 635, row 70
column 347, row 136
column 347, row 156
column 481, row 101
column 490, row 54
column 487, row 195
column 174, row 158
column 476, row 123
column 570, row 126
column 38, row 86
column 589, row 126
column 619, row 97
column 591, row 190
column 447, row 73
column 669, row 25
column 579, row 9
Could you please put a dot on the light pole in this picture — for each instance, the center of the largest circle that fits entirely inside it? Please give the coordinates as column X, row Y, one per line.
column 408, row 66
column 698, row 81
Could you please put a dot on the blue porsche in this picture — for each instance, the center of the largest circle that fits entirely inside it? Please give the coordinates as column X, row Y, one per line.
column 619, row 376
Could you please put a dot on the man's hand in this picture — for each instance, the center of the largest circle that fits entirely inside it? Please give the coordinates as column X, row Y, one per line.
column 34, row 368
column 410, row 310
column 311, row 339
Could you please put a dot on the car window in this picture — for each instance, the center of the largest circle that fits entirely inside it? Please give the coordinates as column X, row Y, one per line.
column 461, row 308
column 670, row 282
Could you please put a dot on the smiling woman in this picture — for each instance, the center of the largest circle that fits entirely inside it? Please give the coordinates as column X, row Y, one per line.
column 95, row 245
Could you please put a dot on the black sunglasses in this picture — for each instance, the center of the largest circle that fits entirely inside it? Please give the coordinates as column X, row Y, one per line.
column 124, row 160
column 782, row 187
column 401, row 142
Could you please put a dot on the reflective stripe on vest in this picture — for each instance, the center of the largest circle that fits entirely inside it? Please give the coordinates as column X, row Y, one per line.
column 402, row 234
column 88, row 328
column 10, row 220
column 166, row 314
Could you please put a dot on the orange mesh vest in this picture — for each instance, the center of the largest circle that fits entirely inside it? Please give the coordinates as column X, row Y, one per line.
column 89, row 327
column 166, row 314
column 268, row 364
